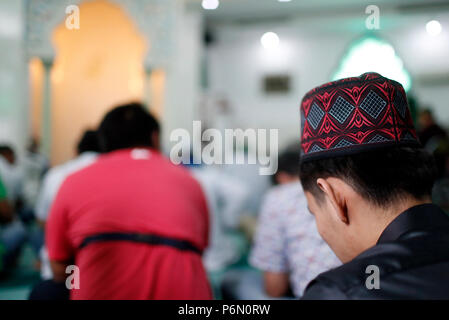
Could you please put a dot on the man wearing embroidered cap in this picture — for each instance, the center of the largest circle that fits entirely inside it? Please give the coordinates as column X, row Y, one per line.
column 368, row 183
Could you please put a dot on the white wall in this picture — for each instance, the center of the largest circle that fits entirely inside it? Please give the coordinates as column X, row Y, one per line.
column 310, row 54
column 238, row 63
column 183, row 76
column 13, row 75
column 425, row 56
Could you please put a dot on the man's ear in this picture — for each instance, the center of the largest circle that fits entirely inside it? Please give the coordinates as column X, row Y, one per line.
column 331, row 189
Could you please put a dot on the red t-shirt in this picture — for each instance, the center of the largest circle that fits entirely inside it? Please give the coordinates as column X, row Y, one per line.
column 137, row 191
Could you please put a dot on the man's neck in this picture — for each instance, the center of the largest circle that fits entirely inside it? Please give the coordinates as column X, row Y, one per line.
column 392, row 213
column 380, row 218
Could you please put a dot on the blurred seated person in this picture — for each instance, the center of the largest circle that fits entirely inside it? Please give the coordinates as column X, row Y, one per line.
column 87, row 151
column 249, row 175
column 6, row 213
column 133, row 223
column 226, row 199
column 35, row 165
column 287, row 246
column 436, row 140
column 12, row 233
column 430, row 133
column 440, row 193
column 13, row 173
column 12, row 176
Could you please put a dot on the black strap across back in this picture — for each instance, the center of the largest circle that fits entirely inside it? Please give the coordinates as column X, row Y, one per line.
column 150, row 239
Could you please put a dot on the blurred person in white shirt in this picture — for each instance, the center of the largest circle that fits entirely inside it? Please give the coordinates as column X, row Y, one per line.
column 249, row 175
column 226, row 198
column 35, row 165
column 87, row 150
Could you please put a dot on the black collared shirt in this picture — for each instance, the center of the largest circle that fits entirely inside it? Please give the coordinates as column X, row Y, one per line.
column 410, row 259
column 422, row 217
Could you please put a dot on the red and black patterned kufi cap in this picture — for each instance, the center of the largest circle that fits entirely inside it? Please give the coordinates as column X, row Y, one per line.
column 353, row 115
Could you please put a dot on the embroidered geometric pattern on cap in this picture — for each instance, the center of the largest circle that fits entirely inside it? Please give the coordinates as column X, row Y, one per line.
column 373, row 105
column 341, row 110
column 316, row 114
column 353, row 115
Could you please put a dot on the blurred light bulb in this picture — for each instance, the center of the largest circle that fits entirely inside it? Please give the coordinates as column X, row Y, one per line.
column 270, row 40
column 433, row 28
column 210, row 4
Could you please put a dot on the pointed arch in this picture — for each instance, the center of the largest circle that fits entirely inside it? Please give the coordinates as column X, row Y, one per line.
column 373, row 54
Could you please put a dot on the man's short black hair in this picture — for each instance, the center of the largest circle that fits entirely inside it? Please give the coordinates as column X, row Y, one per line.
column 7, row 152
column 6, row 149
column 89, row 142
column 381, row 176
column 127, row 126
column 427, row 112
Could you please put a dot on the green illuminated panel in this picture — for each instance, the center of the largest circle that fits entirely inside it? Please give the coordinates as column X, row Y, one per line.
column 371, row 54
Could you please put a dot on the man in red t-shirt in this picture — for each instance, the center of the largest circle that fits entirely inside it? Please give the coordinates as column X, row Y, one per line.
column 133, row 223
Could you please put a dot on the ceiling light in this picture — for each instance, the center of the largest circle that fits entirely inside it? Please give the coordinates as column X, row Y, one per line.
column 433, row 28
column 210, row 4
column 270, row 40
